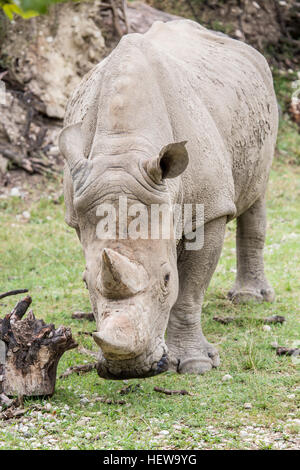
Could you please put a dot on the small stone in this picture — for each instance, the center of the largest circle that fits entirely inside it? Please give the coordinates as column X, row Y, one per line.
column 83, row 421
column 244, row 434
column 84, row 401
column 247, row 406
column 164, row 432
column 274, row 344
column 15, row 192
column 88, row 435
column 48, row 406
column 238, row 34
column 227, row 377
column 267, row 328
column 26, row 215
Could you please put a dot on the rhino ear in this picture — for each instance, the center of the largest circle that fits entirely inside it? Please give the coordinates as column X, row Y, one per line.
column 171, row 162
column 70, row 142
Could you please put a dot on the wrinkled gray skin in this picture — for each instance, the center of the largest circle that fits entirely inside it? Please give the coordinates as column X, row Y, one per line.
column 125, row 127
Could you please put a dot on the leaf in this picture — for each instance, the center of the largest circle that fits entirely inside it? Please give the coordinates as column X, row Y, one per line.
column 10, row 9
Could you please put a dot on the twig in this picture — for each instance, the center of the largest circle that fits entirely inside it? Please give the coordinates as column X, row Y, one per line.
column 193, row 11
column 171, row 392
column 82, row 369
column 88, row 352
column 110, row 401
column 274, row 319
column 83, row 316
column 13, row 292
column 116, row 18
column 282, row 351
column 224, row 320
column 20, row 309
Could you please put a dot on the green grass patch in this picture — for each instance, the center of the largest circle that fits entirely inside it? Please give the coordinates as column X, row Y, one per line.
column 44, row 255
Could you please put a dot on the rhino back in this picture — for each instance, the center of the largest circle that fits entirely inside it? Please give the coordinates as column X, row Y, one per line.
column 220, row 96
column 181, row 82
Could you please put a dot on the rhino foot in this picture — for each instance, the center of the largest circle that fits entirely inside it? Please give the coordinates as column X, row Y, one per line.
column 195, row 362
column 244, row 294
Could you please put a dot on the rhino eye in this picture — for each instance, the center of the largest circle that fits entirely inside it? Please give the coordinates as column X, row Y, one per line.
column 166, row 279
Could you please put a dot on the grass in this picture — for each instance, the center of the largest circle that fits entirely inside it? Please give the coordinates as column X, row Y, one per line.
column 44, row 255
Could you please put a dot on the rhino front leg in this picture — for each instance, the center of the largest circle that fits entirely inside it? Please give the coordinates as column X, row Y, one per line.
column 189, row 350
column 251, row 283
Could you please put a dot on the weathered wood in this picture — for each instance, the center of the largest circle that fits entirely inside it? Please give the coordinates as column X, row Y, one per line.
column 274, row 319
column 283, row 351
column 32, row 352
column 83, row 316
column 82, row 369
column 13, row 292
column 171, row 392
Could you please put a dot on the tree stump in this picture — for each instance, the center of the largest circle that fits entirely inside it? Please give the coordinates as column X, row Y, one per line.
column 29, row 352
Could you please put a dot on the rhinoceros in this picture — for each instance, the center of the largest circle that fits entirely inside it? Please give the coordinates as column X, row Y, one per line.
column 178, row 115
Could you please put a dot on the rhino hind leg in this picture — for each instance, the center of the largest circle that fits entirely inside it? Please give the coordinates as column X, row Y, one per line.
column 189, row 351
column 251, row 283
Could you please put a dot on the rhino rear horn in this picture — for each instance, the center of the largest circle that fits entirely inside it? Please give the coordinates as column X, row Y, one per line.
column 120, row 277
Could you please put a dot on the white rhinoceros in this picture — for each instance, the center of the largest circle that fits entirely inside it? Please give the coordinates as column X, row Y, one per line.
column 126, row 127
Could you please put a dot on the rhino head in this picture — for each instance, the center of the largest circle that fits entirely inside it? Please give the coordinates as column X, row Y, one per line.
column 133, row 283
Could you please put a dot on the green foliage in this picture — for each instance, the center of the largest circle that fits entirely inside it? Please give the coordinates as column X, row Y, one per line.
column 26, row 8
column 288, row 141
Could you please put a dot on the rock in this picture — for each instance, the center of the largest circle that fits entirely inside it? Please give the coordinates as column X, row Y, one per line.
column 238, row 34
column 227, row 377
column 84, row 401
column 267, row 328
column 15, row 192
column 83, row 421
column 247, row 406
column 164, row 432
column 26, row 215
column 3, row 163
column 50, row 53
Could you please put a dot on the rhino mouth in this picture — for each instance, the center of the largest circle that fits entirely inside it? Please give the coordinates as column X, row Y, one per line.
column 132, row 369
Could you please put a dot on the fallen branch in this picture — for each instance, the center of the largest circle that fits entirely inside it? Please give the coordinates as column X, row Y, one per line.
column 83, row 316
column 224, row 320
column 274, row 319
column 82, row 369
column 110, row 401
column 11, row 413
column 13, row 292
column 282, row 351
column 171, row 392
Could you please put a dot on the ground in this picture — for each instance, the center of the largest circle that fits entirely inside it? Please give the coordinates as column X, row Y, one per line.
column 42, row 254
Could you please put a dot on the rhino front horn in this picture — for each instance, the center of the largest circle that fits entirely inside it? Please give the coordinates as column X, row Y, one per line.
column 120, row 277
